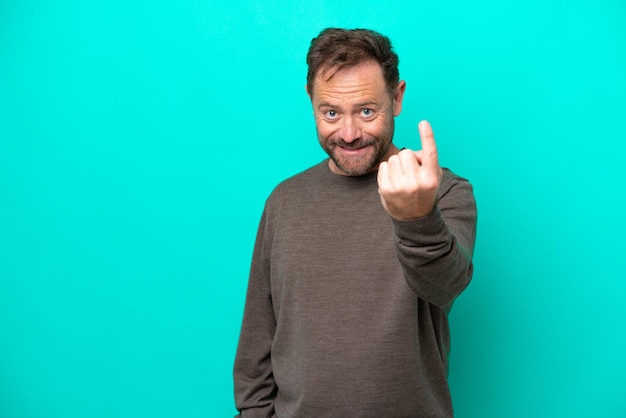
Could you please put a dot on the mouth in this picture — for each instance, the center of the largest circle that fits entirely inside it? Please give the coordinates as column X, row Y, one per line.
column 353, row 152
column 352, row 149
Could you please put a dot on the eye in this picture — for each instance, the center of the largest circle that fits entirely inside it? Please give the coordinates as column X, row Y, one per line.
column 330, row 114
column 367, row 113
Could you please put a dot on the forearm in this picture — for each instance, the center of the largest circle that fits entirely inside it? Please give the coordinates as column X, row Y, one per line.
column 436, row 251
column 255, row 388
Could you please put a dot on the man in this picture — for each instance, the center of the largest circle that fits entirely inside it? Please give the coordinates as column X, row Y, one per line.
column 358, row 259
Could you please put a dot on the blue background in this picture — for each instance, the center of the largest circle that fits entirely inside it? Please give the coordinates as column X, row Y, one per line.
column 138, row 141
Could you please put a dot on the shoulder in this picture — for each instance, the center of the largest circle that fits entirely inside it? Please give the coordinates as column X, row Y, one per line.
column 451, row 180
column 298, row 183
column 456, row 192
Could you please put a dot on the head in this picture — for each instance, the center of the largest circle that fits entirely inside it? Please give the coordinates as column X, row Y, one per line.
column 354, row 86
column 334, row 49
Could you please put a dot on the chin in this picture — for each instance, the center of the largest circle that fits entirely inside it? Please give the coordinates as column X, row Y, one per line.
column 358, row 169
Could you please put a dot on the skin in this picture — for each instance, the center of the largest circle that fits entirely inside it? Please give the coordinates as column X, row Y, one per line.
column 354, row 116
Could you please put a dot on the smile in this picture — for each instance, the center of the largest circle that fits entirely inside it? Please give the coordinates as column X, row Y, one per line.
column 353, row 151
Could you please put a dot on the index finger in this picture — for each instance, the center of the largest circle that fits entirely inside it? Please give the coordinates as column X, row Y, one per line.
column 430, row 157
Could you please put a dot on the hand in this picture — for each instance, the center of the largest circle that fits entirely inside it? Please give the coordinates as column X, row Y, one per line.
column 408, row 181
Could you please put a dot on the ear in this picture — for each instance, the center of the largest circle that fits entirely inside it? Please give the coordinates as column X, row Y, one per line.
column 306, row 87
column 398, row 95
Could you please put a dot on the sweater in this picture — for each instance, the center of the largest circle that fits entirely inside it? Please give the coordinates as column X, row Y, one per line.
column 346, row 312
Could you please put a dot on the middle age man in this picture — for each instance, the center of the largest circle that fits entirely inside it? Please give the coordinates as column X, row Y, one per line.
column 358, row 259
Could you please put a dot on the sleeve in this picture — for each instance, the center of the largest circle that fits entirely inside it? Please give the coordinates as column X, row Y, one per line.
column 255, row 388
column 435, row 251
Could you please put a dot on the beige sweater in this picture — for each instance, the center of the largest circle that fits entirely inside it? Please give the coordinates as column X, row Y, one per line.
column 346, row 309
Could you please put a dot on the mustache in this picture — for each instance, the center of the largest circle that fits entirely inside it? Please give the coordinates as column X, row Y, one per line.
column 356, row 144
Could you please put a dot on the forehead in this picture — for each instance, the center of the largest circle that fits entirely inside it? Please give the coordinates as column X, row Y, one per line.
column 362, row 79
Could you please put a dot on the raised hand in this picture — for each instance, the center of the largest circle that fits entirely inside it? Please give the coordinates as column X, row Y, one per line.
column 408, row 181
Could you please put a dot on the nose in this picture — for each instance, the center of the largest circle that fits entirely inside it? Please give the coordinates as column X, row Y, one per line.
column 350, row 130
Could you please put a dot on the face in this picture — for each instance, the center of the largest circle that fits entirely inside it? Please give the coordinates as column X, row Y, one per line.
column 354, row 115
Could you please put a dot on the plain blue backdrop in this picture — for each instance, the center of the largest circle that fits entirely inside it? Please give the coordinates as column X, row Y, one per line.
column 139, row 140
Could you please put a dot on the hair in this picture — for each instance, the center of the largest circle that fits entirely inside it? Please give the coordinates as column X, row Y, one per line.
column 335, row 48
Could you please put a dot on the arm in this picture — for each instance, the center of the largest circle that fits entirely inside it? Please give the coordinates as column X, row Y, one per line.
column 435, row 251
column 255, row 388
column 434, row 218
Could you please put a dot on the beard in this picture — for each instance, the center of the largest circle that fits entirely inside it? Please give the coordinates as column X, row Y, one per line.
column 361, row 164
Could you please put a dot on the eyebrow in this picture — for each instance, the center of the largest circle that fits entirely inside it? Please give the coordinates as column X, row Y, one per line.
column 358, row 105
column 324, row 104
column 366, row 104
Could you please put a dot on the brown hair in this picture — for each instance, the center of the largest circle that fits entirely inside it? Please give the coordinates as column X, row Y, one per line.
column 334, row 49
